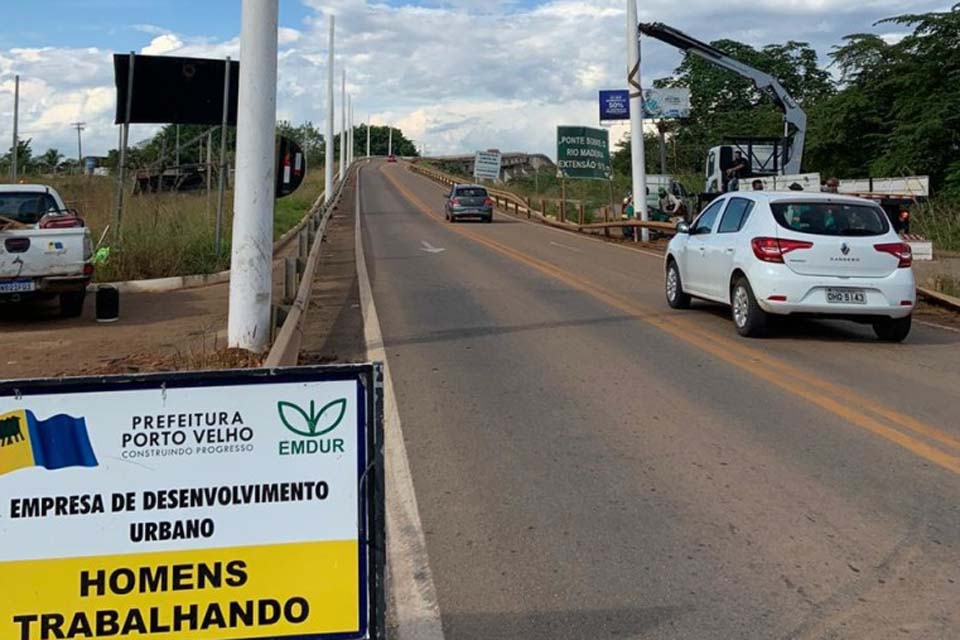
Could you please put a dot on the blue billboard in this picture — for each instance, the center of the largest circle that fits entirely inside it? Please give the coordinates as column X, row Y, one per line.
column 614, row 105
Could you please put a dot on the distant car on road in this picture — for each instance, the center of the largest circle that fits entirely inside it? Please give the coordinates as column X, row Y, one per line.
column 45, row 249
column 391, row 158
column 469, row 201
column 805, row 254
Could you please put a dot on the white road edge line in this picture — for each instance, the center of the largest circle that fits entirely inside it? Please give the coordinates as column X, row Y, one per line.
column 563, row 246
column 409, row 579
column 937, row 326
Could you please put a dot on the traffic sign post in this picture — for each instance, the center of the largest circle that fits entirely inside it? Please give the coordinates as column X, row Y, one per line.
column 232, row 504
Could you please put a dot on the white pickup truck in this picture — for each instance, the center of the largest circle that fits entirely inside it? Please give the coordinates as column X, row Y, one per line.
column 45, row 249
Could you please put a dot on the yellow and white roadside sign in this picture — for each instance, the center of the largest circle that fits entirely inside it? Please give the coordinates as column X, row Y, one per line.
column 192, row 506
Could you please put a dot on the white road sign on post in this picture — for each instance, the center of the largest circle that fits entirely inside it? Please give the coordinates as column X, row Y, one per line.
column 486, row 165
column 192, row 506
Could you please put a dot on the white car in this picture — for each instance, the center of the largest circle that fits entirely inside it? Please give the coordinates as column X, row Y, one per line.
column 810, row 254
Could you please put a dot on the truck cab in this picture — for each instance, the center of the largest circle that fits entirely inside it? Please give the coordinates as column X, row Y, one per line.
column 45, row 249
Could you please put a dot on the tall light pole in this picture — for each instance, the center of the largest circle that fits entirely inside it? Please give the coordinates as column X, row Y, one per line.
column 251, row 277
column 639, row 169
column 343, row 124
column 349, row 130
column 15, row 149
column 328, row 141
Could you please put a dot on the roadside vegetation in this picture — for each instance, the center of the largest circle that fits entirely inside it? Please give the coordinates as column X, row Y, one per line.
column 166, row 234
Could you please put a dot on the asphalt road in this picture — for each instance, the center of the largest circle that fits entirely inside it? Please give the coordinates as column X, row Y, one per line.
column 590, row 464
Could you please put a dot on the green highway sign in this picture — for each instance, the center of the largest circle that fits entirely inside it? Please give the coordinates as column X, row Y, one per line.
column 583, row 152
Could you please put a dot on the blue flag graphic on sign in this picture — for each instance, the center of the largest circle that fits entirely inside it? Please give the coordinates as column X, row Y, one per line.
column 55, row 443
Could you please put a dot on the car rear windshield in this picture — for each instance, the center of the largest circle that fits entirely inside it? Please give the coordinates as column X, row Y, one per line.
column 831, row 218
column 472, row 192
column 27, row 208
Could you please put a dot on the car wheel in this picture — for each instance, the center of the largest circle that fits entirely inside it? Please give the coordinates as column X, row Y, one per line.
column 676, row 298
column 71, row 304
column 749, row 319
column 893, row 329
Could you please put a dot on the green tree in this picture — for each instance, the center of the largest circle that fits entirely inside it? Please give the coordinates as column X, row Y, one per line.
column 50, row 159
column 898, row 111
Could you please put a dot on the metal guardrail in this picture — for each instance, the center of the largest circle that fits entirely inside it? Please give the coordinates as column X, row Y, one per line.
column 506, row 201
column 285, row 351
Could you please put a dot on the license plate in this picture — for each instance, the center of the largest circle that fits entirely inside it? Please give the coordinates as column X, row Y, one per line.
column 846, row 296
column 16, row 286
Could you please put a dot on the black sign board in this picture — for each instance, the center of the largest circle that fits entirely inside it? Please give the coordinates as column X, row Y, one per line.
column 291, row 166
column 172, row 90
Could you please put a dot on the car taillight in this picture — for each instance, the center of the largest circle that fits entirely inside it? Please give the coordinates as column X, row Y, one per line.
column 773, row 249
column 67, row 221
column 488, row 202
column 88, row 270
column 899, row 250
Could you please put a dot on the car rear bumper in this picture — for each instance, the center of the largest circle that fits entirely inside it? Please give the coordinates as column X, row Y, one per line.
column 46, row 287
column 780, row 291
column 471, row 211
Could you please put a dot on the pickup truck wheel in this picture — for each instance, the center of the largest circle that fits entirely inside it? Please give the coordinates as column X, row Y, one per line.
column 71, row 304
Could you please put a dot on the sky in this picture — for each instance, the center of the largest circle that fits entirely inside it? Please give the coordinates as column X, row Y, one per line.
column 455, row 75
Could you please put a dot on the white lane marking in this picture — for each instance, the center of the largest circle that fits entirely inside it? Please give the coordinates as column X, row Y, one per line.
column 409, row 579
column 937, row 326
column 429, row 248
column 563, row 246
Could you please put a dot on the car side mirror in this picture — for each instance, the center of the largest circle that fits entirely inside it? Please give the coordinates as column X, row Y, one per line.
column 683, row 227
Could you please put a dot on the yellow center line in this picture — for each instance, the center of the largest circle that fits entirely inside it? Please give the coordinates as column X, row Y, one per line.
column 769, row 369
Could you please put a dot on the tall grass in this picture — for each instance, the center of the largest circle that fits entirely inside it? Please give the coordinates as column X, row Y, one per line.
column 938, row 220
column 166, row 234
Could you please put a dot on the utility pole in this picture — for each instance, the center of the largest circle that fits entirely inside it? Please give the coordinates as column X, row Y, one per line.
column 15, row 149
column 639, row 169
column 343, row 125
column 368, row 137
column 328, row 138
column 251, row 270
column 80, row 126
column 390, row 141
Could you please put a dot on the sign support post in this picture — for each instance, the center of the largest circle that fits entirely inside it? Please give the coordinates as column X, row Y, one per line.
column 251, row 264
column 221, row 184
column 124, row 140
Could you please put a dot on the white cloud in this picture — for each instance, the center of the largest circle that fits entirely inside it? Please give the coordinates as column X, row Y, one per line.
column 167, row 43
column 455, row 74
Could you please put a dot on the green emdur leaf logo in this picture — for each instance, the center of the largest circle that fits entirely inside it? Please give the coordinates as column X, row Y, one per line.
column 314, row 423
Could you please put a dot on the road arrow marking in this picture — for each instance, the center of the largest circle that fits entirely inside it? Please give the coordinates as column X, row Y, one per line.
column 429, row 248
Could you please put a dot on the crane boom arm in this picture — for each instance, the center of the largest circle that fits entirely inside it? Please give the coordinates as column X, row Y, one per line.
column 792, row 113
